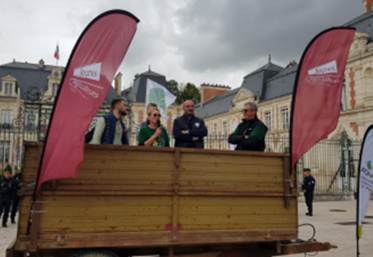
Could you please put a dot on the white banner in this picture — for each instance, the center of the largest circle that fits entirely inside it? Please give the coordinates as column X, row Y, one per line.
column 365, row 177
column 158, row 94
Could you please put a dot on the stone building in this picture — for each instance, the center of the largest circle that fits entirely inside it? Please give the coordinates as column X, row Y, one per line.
column 36, row 84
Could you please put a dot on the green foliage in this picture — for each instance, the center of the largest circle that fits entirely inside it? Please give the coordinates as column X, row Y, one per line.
column 184, row 92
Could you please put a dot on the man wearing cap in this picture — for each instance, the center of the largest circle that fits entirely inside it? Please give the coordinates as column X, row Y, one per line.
column 7, row 189
column 308, row 186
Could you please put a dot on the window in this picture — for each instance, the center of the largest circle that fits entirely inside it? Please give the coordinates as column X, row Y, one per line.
column 54, row 89
column 6, row 117
column 225, row 128
column 285, row 118
column 215, row 129
column 344, row 98
column 4, row 151
column 8, row 89
column 267, row 116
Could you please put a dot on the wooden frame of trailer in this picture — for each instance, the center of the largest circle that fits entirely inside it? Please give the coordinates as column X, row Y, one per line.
column 129, row 197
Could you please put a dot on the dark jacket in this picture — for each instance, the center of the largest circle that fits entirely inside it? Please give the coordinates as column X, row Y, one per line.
column 109, row 132
column 8, row 187
column 196, row 127
column 245, row 129
column 309, row 184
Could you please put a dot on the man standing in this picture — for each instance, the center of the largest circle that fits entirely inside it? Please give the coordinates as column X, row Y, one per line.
column 308, row 186
column 110, row 129
column 250, row 134
column 146, row 123
column 7, row 189
column 15, row 202
column 188, row 129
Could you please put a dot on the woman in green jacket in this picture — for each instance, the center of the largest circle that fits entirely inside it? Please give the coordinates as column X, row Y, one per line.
column 154, row 134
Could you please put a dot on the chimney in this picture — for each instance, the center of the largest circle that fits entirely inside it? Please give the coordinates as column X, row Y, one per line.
column 41, row 64
column 210, row 91
column 118, row 83
column 367, row 5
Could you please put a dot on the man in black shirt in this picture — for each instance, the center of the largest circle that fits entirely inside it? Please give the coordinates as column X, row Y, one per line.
column 7, row 189
column 308, row 186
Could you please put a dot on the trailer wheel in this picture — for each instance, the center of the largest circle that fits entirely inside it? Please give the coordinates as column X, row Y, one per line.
column 94, row 253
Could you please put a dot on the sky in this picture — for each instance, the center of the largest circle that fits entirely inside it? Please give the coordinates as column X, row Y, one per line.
column 197, row 41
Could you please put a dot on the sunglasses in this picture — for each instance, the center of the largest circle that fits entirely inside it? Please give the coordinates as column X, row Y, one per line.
column 156, row 115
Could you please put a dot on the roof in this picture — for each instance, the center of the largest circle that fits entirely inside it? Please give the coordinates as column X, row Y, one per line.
column 268, row 67
column 30, row 74
column 363, row 24
column 280, row 85
column 218, row 105
column 138, row 91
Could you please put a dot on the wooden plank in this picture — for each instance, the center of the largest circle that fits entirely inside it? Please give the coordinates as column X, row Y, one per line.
column 100, row 229
column 132, row 156
column 106, row 201
column 125, row 164
column 232, row 201
column 230, row 210
column 236, row 219
column 236, row 168
column 232, row 153
column 208, row 159
column 93, row 211
column 241, row 226
column 111, row 182
column 230, row 178
column 214, row 189
column 103, row 221
column 223, row 184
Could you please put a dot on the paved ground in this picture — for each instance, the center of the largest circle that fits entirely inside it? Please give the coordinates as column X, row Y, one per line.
column 324, row 220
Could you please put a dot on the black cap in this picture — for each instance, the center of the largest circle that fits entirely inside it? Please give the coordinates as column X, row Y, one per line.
column 307, row 170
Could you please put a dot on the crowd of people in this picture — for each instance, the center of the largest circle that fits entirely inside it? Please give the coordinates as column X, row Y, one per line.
column 188, row 130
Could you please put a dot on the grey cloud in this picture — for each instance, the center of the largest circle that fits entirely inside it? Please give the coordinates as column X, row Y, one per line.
column 231, row 34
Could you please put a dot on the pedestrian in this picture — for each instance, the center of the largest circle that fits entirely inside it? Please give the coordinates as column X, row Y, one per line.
column 154, row 134
column 15, row 202
column 189, row 130
column 146, row 123
column 110, row 129
column 7, row 189
column 250, row 133
column 308, row 187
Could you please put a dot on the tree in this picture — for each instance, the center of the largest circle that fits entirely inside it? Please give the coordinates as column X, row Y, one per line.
column 184, row 92
column 173, row 87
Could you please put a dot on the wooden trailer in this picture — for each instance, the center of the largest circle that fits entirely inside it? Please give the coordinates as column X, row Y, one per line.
column 162, row 201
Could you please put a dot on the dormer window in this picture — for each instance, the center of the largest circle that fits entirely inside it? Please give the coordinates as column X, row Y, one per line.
column 8, row 88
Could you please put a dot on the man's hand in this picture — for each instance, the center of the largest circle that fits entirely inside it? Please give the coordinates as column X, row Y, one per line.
column 158, row 132
column 304, row 191
column 246, row 137
column 183, row 131
column 195, row 138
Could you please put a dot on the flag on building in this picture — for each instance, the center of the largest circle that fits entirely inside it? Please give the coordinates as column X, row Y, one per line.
column 318, row 89
column 159, row 95
column 57, row 53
